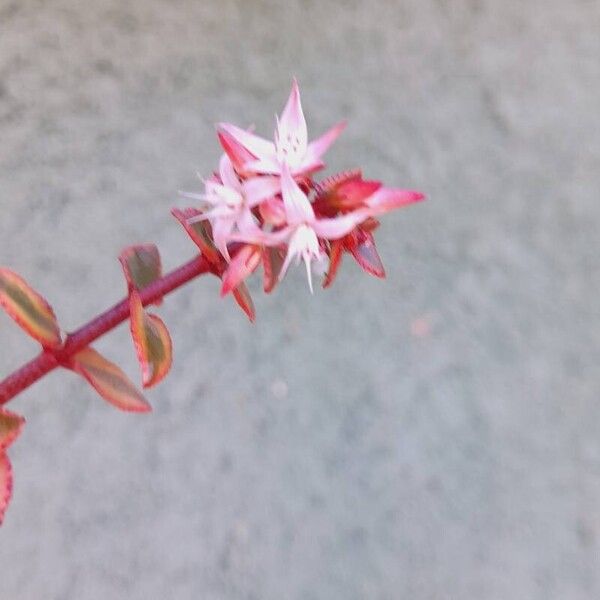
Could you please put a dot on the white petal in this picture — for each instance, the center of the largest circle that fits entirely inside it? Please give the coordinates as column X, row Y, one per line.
column 291, row 134
column 338, row 227
column 297, row 206
column 227, row 173
column 258, row 189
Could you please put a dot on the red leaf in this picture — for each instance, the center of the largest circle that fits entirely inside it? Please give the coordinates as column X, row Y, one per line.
column 6, row 484
column 152, row 343
column 243, row 264
column 244, row 300
column 28, row 309
column 272, row 262
column 109, row 381
column 366, row 255
column 200, row 233
column 141, row 266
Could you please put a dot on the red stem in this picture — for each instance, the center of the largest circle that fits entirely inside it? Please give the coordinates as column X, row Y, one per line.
column 48, row 360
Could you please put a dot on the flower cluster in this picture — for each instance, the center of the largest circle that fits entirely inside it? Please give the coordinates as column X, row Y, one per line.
column 264, row 202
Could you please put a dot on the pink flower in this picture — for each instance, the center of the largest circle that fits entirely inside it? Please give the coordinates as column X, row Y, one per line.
column 350, row 192
column 230, row 202
column 260, row 200
column 303, row 229
column 253, row 154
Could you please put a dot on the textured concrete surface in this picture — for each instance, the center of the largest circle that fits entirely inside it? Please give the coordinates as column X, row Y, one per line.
column 436, row 436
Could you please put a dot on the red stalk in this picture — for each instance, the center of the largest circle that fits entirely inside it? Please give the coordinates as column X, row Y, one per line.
column 48, row 360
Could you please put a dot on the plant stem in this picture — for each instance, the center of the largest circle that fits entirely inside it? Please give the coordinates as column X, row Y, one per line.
column 49, row 359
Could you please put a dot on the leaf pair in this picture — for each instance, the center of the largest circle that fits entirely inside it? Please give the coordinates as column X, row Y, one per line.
column 142, row 267
column 35, row 316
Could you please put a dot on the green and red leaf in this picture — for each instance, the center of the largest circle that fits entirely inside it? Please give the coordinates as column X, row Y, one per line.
column 201, row 234
column 152, row 342
column 10, row 427
column 109, row 381
column 28, row 309
column 6, row 484
column 141, row 266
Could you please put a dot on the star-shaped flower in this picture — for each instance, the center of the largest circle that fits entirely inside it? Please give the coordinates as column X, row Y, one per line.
column 253, row 154
column 230, row 202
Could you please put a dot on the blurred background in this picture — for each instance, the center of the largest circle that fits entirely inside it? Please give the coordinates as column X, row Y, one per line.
column 433, row 436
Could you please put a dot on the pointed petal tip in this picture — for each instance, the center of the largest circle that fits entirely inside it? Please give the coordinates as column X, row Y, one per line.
column 295, row 89
column 225, row 289
column 142, row 409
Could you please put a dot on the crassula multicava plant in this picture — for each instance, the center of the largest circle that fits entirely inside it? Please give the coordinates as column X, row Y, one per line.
column 261, row 209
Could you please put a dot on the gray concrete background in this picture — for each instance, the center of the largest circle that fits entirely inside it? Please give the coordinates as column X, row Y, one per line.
column 436, row 436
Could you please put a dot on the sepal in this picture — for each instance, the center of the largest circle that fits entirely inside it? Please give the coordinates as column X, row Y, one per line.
column 201, row 234
column 243, row 264
column 365, row 253
column 244, row 299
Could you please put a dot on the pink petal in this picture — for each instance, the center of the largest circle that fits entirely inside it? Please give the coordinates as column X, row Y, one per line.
column 291, row 126
column 318, row 147
column 308, row 168
column 246, row 223
column 267, row 166
column 238, row 155
column 338, row 227
column 387, row 199
column 258, row 146
column 297, row 206
column 264, row 238
column 221, row 194
column 227, row 173
column 258, row 189
column 302, row 244
column 222, row 228
column 273, row 211
column 290, row 255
